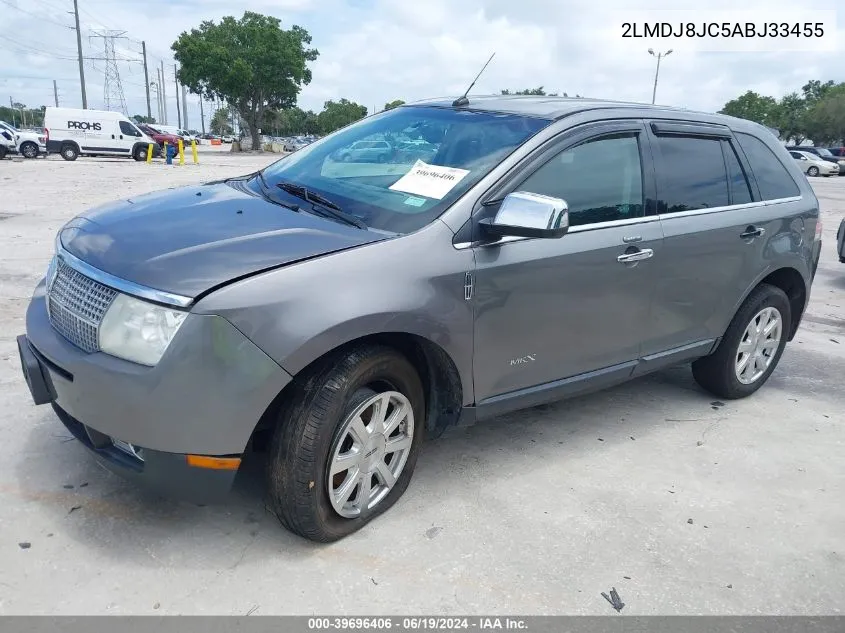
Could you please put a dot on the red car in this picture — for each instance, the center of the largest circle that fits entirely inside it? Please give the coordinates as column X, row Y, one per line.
column 159, row 137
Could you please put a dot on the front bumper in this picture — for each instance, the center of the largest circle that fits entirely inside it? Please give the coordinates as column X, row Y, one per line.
column 204, row 397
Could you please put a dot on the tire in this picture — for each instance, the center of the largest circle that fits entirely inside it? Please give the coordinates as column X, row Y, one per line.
column 312, row 429
column 29, row 150
column 813, row 171
column 382, row 158
column 140, row 153
column 69, row 151
column 718, row 373
column 3, row 152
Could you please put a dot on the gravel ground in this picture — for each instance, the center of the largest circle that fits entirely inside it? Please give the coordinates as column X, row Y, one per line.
column 685, row 505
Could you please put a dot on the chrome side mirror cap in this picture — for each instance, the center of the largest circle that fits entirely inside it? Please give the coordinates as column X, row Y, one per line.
column 526, row 214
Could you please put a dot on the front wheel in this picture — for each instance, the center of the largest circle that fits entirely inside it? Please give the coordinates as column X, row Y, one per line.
column 813, row 171
column 141, row 153
column 751, row 347
column 346, row 443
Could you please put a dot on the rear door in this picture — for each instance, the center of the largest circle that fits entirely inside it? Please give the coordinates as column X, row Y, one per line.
column 718, row 231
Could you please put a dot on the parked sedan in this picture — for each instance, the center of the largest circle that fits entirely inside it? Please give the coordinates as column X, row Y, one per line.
column 822, row 153
column 813, row 165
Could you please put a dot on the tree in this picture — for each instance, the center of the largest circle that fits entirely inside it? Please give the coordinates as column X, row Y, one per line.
column 220, row 122
column 825, row 120
column 140, row 118
column 336, row 115
column 252, row 64
column 393, row 104
column 814, row 90
column 754, row 107
column 790, row 118
column 530, row 91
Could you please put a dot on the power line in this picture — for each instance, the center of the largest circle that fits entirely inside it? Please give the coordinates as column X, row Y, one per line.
column 40, row 17
column 38, row 50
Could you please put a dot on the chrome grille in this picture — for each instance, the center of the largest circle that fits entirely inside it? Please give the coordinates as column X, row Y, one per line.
column 76, row 305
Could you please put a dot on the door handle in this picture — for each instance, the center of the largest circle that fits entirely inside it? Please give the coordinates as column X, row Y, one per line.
column 752, row 231
column 636, row 256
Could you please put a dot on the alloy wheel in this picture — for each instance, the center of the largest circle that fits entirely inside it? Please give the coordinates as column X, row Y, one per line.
column 759, row 345
column 369, row 453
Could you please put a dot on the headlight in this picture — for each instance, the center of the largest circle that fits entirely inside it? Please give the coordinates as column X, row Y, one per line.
column 138, row 331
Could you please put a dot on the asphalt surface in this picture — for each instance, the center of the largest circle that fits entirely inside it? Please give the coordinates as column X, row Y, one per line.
column 684, row 504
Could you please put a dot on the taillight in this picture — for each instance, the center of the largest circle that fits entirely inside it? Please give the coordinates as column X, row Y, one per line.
column 46, row 135
column 819, row 228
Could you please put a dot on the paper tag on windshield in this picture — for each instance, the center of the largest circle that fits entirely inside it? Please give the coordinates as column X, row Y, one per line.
column 431, row 181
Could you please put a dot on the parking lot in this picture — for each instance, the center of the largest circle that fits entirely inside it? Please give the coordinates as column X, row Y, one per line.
column 684, row 504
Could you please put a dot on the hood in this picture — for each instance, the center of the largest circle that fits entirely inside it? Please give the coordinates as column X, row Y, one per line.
column 189, row 240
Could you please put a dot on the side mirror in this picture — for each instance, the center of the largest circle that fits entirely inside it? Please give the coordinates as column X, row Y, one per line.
column 525, row 214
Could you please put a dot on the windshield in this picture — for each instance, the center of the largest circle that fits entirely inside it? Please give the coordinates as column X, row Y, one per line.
column 399, row 170
column 824, row 152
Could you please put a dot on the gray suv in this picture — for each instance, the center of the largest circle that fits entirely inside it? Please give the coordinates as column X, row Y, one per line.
column 335, row 314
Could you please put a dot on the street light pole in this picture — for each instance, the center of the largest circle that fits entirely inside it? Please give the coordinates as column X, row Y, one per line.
column 659, row 56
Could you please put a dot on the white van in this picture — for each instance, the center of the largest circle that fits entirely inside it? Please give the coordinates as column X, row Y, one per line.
column 73, row 132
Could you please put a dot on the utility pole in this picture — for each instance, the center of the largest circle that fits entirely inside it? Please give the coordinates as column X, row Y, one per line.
column 56, row 93
column 659, row 56
column 178, row 111
column 184, row 107
column 146, row 79
column 79, row 51
column 202, row 116
column 163, row 95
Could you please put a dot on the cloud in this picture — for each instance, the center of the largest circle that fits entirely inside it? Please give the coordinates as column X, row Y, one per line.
column 374, row 51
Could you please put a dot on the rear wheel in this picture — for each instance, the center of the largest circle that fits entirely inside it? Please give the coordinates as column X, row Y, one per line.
column 751, row 347
column 813, row 171
column 346, row 443
column 69, row 151
column 29, row 150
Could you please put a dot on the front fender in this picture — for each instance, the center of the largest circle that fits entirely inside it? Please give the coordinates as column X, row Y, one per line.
column 412, row 284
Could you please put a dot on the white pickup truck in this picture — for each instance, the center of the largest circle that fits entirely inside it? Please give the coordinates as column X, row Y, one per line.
column 27, row 144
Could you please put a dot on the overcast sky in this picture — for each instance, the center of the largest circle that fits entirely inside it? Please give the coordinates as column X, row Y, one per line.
column 373, row 51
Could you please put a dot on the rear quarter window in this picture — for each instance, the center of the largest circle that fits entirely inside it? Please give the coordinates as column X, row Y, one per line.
column 773, row 179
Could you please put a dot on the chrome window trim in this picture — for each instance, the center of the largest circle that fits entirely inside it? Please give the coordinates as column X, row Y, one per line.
column 122, row 285
column 641, row 220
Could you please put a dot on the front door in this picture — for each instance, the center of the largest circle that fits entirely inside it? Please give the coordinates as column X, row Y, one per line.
column 548, row 309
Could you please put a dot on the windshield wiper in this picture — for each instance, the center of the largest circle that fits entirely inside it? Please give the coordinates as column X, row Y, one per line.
column 327, row 206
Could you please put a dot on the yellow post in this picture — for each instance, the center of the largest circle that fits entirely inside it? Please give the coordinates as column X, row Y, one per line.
column 150, row 153
column 194, row 152
column 181, row 152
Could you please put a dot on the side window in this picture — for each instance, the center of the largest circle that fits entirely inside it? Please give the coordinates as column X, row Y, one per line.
column 772, row 177
column 601, row 180
column 691, row 174
column 740, row 190
column 795, row 155
column 127, row 128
